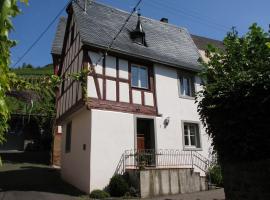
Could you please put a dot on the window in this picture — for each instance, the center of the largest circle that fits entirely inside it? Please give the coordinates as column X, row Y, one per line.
column 139, row 76
column 186, row 85
column 68, row 137
column 191, row 135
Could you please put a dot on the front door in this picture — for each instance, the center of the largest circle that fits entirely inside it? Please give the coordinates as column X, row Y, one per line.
column 146, row 141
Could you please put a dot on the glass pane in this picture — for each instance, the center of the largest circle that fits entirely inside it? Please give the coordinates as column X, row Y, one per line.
column 185, row 129
column 134, row 76
column 144, row 77
column 186, row 141
column 192, row 140
column 188, row 87
column 192, row 130
column 182, row 89
column 185, row 86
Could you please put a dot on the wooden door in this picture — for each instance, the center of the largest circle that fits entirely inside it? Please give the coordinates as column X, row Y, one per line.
column 140, row 142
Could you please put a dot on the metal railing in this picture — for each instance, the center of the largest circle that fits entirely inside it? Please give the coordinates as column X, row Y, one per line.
column 163, row 158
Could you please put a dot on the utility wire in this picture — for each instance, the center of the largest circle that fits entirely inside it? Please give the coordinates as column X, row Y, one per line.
column 195, row 18
column 194, row 14
column 42, row 34
column 118, row 33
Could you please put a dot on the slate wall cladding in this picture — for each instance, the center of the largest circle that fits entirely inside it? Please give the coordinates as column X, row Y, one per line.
column 247, row 180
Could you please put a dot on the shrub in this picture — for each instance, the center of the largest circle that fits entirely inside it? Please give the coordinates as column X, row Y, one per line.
column 215, row 175
column 118, row 186
column 99, row 194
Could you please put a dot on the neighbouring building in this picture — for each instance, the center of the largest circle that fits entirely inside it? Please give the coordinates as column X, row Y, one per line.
column 138, row 108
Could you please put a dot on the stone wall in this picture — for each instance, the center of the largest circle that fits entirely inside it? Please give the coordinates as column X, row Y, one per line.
column 158, row 182
column 247, row 181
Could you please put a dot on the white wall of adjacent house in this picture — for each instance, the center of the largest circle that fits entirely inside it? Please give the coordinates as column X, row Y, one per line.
column 112, row 133
column 75, row 165
column 178, row 110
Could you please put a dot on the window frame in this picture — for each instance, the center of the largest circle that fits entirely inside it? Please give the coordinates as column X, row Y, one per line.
column 198, row 139
column 191, row 77
column 139, row 80
column 68, row 137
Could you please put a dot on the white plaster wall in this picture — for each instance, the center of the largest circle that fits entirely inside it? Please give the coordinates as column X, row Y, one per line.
column 148, row 99
column 111, row 90
column 124, row 92
column 91, row 87
column 123, row 68
column 75, row 165
column 112, row 134
column 177, row 109
column 110, row 66
column 136, row 97
column 94, row 58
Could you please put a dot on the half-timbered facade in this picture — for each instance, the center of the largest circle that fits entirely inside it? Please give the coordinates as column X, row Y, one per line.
column 139, row 94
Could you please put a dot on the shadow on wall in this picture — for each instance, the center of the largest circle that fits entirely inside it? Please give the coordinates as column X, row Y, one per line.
column 30, row 177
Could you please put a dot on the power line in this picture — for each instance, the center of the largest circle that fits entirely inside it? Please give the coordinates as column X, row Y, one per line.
column 193, row 18
column 42, row 34
column 195, row 14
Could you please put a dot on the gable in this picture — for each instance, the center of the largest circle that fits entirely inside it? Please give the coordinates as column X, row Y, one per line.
column 166, row 43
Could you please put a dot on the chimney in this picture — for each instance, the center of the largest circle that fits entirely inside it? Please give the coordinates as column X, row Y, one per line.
column 164, row 20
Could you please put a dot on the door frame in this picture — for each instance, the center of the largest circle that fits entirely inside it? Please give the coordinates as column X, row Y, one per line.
column 135, row 128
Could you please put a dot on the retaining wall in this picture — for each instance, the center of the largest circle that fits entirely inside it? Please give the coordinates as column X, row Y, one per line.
column 158, row 182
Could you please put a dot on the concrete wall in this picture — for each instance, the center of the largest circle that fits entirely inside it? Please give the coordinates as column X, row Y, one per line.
column 170, row 181
column 75, row 165
column 112, row 134
column 178, row 109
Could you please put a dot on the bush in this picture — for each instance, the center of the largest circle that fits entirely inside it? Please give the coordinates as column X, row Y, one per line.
column 118, row 186
column 215, row 175
column 99, row 194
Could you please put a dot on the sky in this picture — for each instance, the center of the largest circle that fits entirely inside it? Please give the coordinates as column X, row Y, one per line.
column 209, row 18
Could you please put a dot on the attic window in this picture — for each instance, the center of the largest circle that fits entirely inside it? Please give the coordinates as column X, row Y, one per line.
column 138, row 35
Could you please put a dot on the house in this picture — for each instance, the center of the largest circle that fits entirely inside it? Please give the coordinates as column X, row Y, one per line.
column 138, row 107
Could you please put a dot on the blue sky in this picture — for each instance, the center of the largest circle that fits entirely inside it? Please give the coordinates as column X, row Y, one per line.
column 210, row 18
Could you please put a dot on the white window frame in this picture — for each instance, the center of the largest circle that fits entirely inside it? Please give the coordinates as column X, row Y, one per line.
column 198, row 145
column 139, row 78
column 191, row 82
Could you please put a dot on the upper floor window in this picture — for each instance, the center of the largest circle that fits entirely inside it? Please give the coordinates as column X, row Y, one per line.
column 191, row 135
column 139, row 76
column 186, row 85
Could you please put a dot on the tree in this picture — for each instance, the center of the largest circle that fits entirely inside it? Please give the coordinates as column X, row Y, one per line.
column 235, row 106
column 8, row 9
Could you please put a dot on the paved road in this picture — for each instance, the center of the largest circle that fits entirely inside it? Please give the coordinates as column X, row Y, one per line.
column 29, row 181
column 206, row 195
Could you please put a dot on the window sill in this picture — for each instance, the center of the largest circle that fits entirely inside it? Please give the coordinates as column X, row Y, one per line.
column 141, row 89
column 186, row 97
column 192, row 149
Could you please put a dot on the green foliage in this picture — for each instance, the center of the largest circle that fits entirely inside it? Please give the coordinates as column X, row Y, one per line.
column 235, row 103
column 8, row 9
column 99, row 194
column 215, row 175
column 30, row 70
column 118, row 186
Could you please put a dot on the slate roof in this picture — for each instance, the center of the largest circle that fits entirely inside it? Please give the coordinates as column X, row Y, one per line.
column 59, row 36
column 166, row 43
column 202, row 42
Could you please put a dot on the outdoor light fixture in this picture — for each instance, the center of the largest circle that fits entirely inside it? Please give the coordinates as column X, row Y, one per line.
column 166, row 122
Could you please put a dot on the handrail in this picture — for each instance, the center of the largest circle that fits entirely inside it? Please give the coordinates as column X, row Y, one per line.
column 162, row 158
